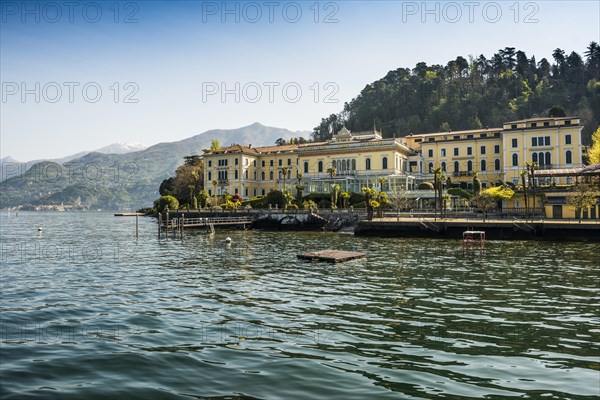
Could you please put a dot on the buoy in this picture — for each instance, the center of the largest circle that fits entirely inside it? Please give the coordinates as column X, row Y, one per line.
column 227, row 239
column 40, row 229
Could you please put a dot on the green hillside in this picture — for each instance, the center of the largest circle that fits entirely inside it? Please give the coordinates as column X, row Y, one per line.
column 474, row 93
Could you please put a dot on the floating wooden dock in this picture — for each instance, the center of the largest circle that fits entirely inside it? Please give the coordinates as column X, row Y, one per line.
column 333, row 256
column 128, row 214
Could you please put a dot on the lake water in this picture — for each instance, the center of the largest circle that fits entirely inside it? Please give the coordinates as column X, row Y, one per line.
column 88, row 311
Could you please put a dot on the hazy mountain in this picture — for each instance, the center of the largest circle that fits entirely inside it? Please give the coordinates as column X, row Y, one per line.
column 122, row 181
column 121, row 148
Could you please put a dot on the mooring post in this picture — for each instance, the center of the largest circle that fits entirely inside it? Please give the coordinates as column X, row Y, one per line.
column 159, row 222
column 136, row 225
column 182, row 224
column 167, row 226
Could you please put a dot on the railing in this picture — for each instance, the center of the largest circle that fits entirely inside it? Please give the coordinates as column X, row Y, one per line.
column 462, row 173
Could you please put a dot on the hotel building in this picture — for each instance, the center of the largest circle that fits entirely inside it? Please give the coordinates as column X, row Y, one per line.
column 359, row 159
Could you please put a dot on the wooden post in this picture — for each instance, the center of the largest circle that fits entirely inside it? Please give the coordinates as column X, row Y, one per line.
column 182, row 224
column 167, row 226
column 159, row 222
column 136, row 225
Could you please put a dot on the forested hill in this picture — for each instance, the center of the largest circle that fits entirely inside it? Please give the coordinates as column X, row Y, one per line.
column 474, row 93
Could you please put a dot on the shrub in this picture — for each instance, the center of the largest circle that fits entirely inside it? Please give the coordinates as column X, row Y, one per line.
column 356, row 198
column 463, row 194
column 276, row 197
column 166, row 201
column 426, row 186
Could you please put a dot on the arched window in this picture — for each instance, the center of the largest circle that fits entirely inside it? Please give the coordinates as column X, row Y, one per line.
column 534, row 157
column 444, row 166
column 469, row 165
column 209, row 176
column 541, row 158
column 254, row 175
column 306, row 167
column 289, row 173
column 497, row 164
column 279, row 175
column 515, row 160
column 353, row 165
column 235, row 174
column 320, row 166
column 569, row 157
column 456, row 166
column 343, row 165
column 548, row 158
column 263, row 175
column 483, row 165
column 271, row 175
column 246, row 174
column 430, row 167
column 368, row 164
column 384, row 163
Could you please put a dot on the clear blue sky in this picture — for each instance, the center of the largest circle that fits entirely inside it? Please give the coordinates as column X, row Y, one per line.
column 175, row 59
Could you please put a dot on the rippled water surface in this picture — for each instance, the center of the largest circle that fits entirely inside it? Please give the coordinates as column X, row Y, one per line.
column 88, row 311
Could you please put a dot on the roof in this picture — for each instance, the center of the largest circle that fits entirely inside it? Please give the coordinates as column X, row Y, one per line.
column 449, row 133
column 593, row 169
column 276, row 149
column 540, row 119
column 235, row 148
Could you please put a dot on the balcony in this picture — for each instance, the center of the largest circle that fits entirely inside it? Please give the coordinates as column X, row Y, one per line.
column 223, row 182
column 546, row 166
column 462, row 173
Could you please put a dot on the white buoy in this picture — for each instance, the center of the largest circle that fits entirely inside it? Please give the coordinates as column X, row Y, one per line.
column 40, row 229
column 227, row 239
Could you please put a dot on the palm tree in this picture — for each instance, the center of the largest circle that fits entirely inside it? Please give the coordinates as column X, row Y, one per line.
column 523, row 175
column 332, row 172
column 284, row 173
column 381, row 181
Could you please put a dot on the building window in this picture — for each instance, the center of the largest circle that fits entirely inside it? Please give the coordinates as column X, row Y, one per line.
column 210, row 163
column 254, row 163
column 209, row 176
column 431, row 139
column 483, row 135
column 444, row 167
column 482, row 149
column 235, row 174
column 567, row 139
column 534, row 125
column 469, row 136
column 254, row 192
column 567, row 122
column 547, row 140
column 280, row 163
column 430, row 152
column 430, row 167
column 533, row 141
column 515, row 159
column 384, row 162
column 262, row 192
column 263, row 163
column 443, row 152
column 246, row 192
column 546, row 123
column 271, row 163
column 456, row 166
column 514, row 126
column 456, row 151
column 236, row 190
column 368, row 164
column 263, row 175
column 254, row 175
column 456, row 137
column 289, row 161
column 469, row 165
column 515, row 143
column 320, row 165
column 569, row 157
column 534, row 157
column 306, row 167
column 236, row 161
column 497, row 149
column 548, row 158
column 353, row 165
column 469, row 151
column 271, row 175
column 497, row 164
column 483, row 165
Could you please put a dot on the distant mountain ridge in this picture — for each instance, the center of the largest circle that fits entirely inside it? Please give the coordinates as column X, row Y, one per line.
column 122, row 181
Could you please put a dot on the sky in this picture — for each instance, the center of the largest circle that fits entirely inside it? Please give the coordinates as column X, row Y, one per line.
column 81, row 75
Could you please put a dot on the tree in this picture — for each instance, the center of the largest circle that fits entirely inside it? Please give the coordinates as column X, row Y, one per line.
column 203, row 198
column 476, row 183
column 284, row 174
column 557, row 112
column 594, row 151
column 215, row 145
column 582, row 199
column 334, row 195
column 166, row 202
column 193, row 160
column 370, row 201
column 345, row 196
column 483, row 202
column 280, row 142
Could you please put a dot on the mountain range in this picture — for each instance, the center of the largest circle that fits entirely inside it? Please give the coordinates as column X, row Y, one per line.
column 125, row 181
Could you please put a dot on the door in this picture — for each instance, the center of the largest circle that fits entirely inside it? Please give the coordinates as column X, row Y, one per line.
column 557, row 212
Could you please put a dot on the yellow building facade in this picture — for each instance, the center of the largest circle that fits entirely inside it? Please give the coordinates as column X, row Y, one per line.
column 361, row 158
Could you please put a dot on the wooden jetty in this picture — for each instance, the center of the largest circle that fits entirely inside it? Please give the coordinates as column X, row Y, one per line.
column 128, row 214
column 333, row 256
column 177, row 225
